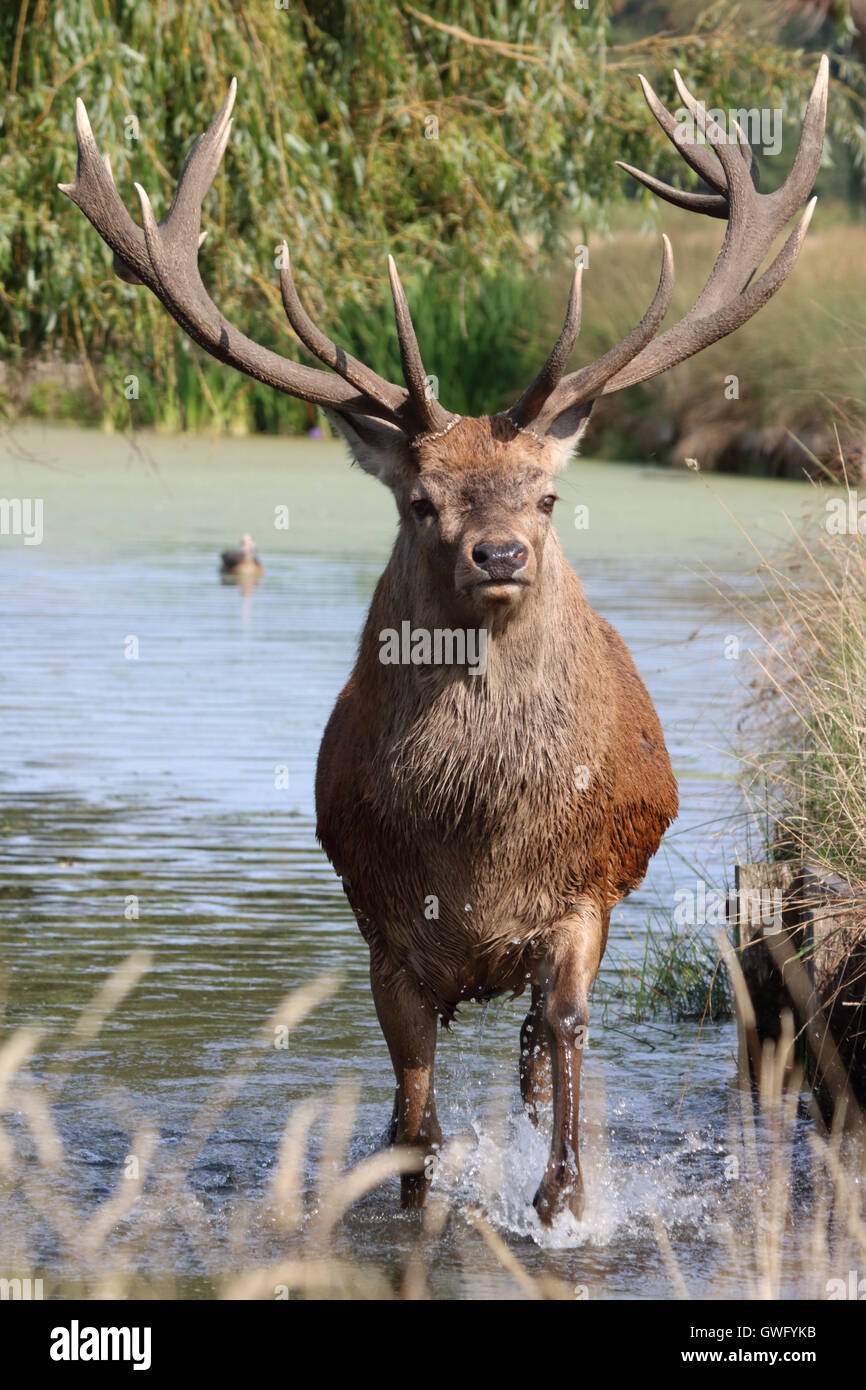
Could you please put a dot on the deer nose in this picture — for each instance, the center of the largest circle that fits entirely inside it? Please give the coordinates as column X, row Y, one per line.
column 500, row 561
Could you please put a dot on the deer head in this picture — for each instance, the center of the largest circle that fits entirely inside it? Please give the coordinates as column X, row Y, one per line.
column 474, row 495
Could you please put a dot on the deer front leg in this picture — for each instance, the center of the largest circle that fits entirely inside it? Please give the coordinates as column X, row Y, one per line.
column 395, row 1115
column 535, row 1078
column 566, row 975
column 409, row 1025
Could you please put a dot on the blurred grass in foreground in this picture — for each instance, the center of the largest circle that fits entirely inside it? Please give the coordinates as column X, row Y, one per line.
column 119, row 1247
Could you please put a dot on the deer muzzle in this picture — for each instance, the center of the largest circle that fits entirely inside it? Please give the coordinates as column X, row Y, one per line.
column 496, row 571
column 500, row 562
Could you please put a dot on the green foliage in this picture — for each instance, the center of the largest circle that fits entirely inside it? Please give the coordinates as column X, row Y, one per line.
column 481, row 336
column 330, row 148
column 680, row 975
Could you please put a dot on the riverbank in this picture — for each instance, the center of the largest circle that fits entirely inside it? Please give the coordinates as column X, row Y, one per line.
column 805, row 775
column 807, row 741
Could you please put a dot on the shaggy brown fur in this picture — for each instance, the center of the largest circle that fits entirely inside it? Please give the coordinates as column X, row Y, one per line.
column 484, row 825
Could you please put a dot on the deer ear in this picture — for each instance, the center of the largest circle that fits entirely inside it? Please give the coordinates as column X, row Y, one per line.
column 565, row 431
column 376, row 446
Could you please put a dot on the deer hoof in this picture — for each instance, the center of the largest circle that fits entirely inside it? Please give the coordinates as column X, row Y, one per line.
column 414, row 1188
column 554, row 1197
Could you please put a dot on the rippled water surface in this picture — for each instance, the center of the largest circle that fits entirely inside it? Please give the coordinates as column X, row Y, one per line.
column 156, row 780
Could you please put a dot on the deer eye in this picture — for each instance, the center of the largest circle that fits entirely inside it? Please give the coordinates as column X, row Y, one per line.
column 546, row 503
column 422, row 506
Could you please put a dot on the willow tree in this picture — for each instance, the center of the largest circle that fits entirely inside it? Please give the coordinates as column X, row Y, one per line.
column 469, row 141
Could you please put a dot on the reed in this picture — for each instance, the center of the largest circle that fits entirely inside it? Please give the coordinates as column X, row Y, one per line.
column 804, row 746
column 788, row 1219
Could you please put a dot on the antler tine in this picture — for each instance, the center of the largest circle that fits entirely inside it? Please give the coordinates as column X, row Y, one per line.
column 714, row 174
column 93, row 191
column 798, row 184
column 164, row 257
column 183, row 220
column 692, row 335
column 698, row 157
column 730, row 296
column 581, row 386
column 711, row 204
column 524, row 411
column 430, row 413
column 702, row 158
column 391, row 397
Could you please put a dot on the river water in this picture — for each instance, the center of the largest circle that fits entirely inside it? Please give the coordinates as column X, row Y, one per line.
column 150, row 784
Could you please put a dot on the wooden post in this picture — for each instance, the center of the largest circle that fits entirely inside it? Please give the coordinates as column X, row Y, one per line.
column 835, row 1017
column 760, row 911
column 801, row 943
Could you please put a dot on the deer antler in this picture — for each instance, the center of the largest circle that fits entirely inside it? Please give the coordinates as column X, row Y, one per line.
column 729, row 297
column 164, row 256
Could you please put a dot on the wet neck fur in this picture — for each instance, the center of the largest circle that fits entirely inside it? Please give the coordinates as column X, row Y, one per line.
column 458, row 749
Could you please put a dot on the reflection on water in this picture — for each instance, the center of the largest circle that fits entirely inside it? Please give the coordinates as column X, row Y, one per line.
column 160, row 731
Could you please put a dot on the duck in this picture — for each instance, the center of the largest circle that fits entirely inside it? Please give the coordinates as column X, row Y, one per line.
column 243, row 563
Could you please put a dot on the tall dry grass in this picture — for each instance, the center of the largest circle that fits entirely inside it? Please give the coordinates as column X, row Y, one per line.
column 796, row 1224
column 805, row 741
column 117, row 1246
column 121, row 1246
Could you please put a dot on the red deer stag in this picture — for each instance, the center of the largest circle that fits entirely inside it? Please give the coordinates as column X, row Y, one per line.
column 484, row 823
